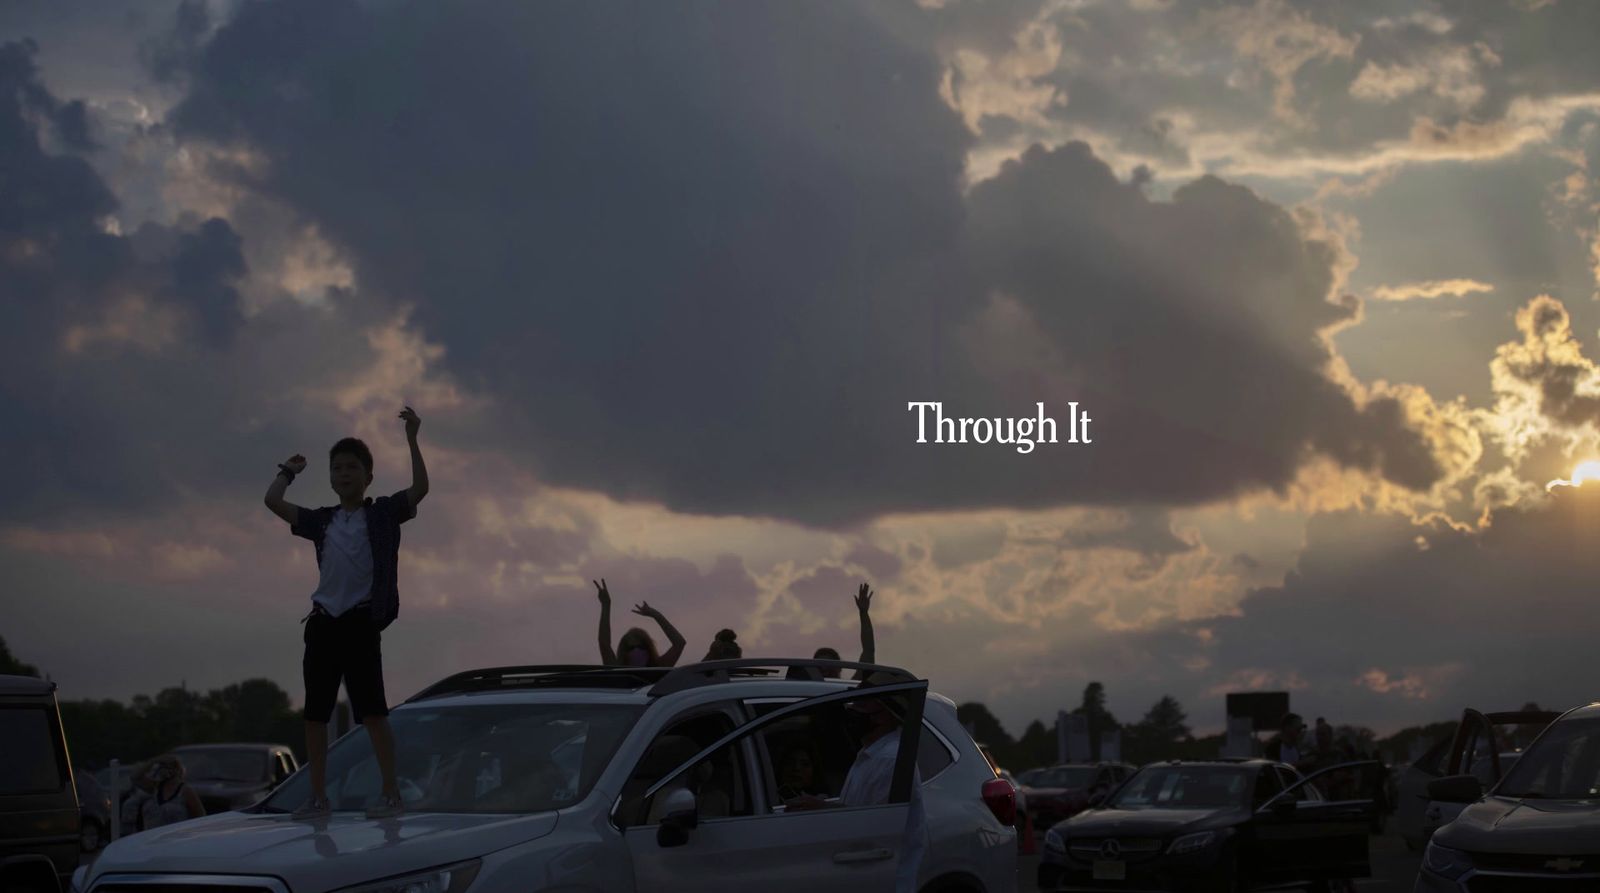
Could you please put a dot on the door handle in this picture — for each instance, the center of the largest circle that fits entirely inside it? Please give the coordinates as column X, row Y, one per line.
column 853, row 856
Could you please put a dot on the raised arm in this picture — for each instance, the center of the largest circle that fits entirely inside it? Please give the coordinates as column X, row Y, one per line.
column 670, row 658
column 419, row 471
column 869, row 649
column 607, row 655
column 288, row 511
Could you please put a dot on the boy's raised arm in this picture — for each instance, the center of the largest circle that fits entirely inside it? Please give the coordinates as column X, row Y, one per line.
column 284, row 509
column 419, row 471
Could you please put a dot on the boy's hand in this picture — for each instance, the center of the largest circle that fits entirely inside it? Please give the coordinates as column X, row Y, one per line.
column 296, row 463
column 413, row 421
column 643, row 609
column 601, row 591
column 864, row 599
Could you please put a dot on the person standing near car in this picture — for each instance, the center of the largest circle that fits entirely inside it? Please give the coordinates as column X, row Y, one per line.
column 357, row 597
column 1284, row 747
column 160, row 797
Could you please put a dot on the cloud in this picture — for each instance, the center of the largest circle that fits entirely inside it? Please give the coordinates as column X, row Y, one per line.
column 1431, row 289
column 711, row 302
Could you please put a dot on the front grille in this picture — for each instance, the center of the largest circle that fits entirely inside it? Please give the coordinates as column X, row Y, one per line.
column 1568, row 864
column 1490, row 883
column 1129, row 849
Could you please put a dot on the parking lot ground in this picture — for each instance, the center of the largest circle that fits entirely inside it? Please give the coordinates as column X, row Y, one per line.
column 1394, row 868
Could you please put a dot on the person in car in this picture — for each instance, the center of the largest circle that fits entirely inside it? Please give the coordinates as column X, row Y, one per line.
column 797, row 774
column 160, row 796
column 635, row 648
column 869, row 649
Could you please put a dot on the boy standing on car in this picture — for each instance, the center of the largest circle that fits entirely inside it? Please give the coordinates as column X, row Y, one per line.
column 358, row 553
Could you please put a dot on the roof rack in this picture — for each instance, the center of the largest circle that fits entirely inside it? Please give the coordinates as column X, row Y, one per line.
column 558, row 675
column 803, row 668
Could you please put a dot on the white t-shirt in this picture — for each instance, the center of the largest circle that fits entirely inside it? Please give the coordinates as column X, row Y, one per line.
column 346, row 574
column 868, row 784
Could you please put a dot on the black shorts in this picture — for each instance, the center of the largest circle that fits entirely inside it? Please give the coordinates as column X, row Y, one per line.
column 344, row 647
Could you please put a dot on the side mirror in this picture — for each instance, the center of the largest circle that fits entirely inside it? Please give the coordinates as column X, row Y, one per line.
column 682, row 816
column 1455, row 789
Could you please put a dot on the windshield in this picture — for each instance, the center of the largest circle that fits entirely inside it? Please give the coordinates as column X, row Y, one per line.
column 1065, row 777
column 1563, row 765
column 218, row 764
column 482, row 758
column 1184, row 787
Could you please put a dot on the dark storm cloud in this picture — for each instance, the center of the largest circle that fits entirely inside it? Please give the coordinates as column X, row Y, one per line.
column 119, row 389
column 710, row 265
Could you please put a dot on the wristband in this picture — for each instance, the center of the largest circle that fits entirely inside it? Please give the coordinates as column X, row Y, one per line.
column 286, row 470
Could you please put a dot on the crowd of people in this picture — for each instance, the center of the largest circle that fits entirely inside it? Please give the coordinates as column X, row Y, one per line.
column 636, row 648
column 1323, row 750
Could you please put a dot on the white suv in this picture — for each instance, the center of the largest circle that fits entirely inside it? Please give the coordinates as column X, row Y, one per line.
column 525, row 779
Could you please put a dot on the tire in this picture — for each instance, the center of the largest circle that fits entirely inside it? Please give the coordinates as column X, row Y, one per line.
column 1228, row 878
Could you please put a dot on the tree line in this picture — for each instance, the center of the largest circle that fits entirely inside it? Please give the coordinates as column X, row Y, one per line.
column 97, row 731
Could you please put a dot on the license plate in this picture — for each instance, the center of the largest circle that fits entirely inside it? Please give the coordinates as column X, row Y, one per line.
column 1110, row 871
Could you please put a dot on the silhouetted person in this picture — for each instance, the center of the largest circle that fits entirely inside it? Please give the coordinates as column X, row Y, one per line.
column 635, row 648
column 725, row 646
column 357, row 596
column 1285, row 746
column 869, row 651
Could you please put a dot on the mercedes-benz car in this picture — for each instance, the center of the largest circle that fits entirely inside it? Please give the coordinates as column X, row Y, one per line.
column 1220, row 825
column 528, row 779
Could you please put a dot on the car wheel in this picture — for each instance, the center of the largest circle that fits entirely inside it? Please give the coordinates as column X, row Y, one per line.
column 91, row 837
column 1227, row 879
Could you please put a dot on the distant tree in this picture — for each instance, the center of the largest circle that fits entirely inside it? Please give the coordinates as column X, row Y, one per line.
column 1037, row 747
column 988, row 731
column 255, row 710
column 11, row 666
column 1158, row 735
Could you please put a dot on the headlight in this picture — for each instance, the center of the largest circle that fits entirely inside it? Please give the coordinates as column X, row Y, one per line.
column 79, row 878
column 1445, row 862
column 447, row 879
column 1192, row 843
column 1054, row 842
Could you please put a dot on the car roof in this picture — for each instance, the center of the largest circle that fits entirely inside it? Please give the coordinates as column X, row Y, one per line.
column 1587, row 711
column 25, row 685
column 567, row 684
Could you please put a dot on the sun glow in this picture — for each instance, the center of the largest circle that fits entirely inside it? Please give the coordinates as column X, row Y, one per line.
column 1587, row 470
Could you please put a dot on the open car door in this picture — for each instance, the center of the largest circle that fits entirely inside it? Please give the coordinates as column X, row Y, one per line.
column 837, row 846
column 1308, row 837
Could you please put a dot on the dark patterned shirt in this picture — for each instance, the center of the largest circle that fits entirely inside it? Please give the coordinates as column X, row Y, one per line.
column 384, row 517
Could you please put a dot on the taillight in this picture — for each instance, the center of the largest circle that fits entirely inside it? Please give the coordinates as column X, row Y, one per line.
column 1001, row 798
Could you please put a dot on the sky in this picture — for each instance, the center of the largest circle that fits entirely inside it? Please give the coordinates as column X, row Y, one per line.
column 662, row 278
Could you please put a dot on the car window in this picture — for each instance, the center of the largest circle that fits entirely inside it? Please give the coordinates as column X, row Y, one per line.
column 476, row 758
column 933, row 755
column 817, row 752
column 1563, row 765
column 1268, row 784
column 224, row 764
column 32, row 763
column 1185, row 787
column 1432, row 760
column 1067, row 777
column 720, row 782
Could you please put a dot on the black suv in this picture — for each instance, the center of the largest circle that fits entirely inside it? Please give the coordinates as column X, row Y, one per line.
column 39, row 821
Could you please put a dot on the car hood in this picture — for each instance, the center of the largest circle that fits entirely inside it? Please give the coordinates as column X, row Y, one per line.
column 324, row 854
column 1534, row 827
column 1147, row 822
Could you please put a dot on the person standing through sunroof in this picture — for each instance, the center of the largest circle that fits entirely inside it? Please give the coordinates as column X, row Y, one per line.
column 635, row 648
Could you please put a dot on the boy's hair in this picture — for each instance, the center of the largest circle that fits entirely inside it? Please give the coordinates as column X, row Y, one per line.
column 354, row 447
